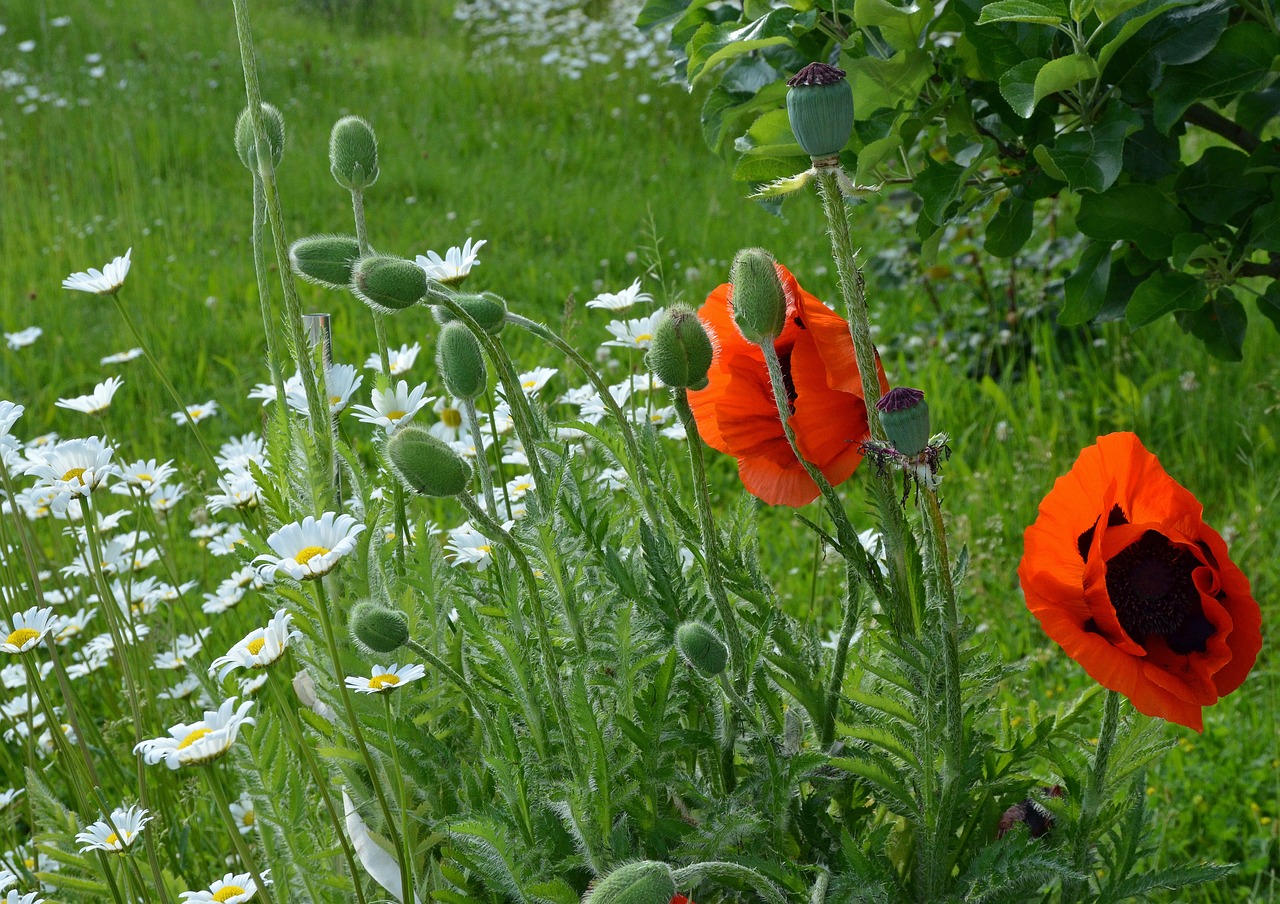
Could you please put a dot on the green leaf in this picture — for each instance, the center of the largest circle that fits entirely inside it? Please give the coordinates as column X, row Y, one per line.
column 1240, row 61
column 1063, row 73
column 1010, row 228
column 1161, row 293
column 1133, row 213
column 1133, row 25
column 1265, row 233
column 1021, row 11
column 901, row 27
column 1018, row 86
column 655, row 12
column 939, row 186
column 872, row 155
column 768, row 169
column 878, row 84
column 712, row 44
column 1215, row 187
column 1091, row 159
column 1109, row 9
column 1220, row 325
column 1269, row 303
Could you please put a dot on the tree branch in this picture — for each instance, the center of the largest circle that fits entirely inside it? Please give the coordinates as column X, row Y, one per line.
column 1202, row 116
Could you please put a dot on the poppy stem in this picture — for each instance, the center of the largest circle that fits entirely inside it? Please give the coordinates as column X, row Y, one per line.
column 1078, row 889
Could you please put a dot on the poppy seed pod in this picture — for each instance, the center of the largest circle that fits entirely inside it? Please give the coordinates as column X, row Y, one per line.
column 641, row 882
column 702, row 648
column 905, row 416
column 426, row 464
column 460, row 361
column 353, row 153
column 325, row 260
column 274, row 121
column 681, row 352
column 387, row 283
column 759, row 302
column 378, row 629
column 486, row 309
column 820, row 106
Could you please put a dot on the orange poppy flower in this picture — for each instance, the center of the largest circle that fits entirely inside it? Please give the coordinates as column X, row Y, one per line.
column 737, row 415
column 1124, row 574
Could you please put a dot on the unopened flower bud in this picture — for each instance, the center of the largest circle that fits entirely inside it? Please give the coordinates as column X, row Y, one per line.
column 325, row 260
column 387, row 283
column 377, row 628
column 353, row 153
column 758, row 299
column 820, row 105
column 642, row 882
column 460, row 361
column 245, row 143
column 702, row 648
column 426, row 464
column 486, row 309
column 680, row 354
column 905, row 416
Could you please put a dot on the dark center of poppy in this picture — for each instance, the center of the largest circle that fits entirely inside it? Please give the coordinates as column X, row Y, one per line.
column 784, row 358
column 1150, row 586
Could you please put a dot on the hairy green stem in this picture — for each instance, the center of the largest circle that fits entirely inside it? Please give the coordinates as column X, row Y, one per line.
column 264, row 290
column 1078, row 889
column 214, row 775
column 482, row 455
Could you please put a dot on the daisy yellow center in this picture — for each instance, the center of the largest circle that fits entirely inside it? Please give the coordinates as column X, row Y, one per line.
column 74, row 474
column 113, row 838
column 529, row 384
column 247, row 818
column 22, row 635
column 644, row 337
column 227, row 892
column 306, row 555
column 452, row 418
column 485, row 547
column 255, row 646
column 145, row 478
column 335, row 399
column 378, row 682
column 193, row 737
column 196, row 413
column 395, row 415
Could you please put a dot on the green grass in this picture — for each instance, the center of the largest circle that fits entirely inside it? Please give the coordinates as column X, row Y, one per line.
column 564, row 179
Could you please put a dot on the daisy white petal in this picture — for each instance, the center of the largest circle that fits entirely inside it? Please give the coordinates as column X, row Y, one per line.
column 383, row 680
column 104, row 282
column 620, row 301
column 310, row 548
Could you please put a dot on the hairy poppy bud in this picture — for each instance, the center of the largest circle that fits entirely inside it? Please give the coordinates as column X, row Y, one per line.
column 377, row 628
column 642, row 882
column 486, row 309
column 325, row 260
column 245, row 142
column 388, row 284
column 353, row 153
column 758, row 300
column 820, row 105
column 905, row 416
column 461, row 361
column 702, row 648
column 681, row 353
column 426, row 464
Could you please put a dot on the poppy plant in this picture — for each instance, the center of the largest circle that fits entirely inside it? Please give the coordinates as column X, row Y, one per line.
column 736, row 412
column 1126, row 577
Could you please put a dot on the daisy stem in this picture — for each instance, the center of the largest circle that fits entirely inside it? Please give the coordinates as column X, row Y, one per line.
column 1078, row 889
column 362, row 239
column 326, row 624
column 497, row 441
column 264, row 292
column 397, row 776
column 163, row 377
column 482, row 455
column 214, row 774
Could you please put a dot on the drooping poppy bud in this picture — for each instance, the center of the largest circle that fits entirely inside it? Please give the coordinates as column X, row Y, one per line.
column 245, row 144
column 758, row 300
column 820, row 105
column 642, row 882
column 378, row 628
column 387, row 283
column 426, row 464
column 461, row 361
column 353, row 153
column 681, row 352
column 325, row 260
column 486, row 309
column 905, row 416
column 702, row 648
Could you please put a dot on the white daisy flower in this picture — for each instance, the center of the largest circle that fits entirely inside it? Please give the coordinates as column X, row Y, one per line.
column 340, row 384
column 73, row 468
column 469, row 546
column 69, row 627
column 9, row 796
column 27, row 629
column 454, row 266
column 265, row 391
column 532, row 381
column 519, row 485
column 383, row 680
column 614, row 478
column 620, row 301
column 250, row 686
column 95, row 402
column 310, row 548
column 636, row 333
column 122, row 357
column 164, row 497
column 393, row 407
column 236, row 453
column 242, row 811
column 239, row 491
column 593, row 409
column 676, row 431
column 198, row 412
column 182, row 690
column 449, row 427
column 14, row 898
column 230, row 889
column 225, row 543
column 101, row 836
column 142, row 474
column 13, row 676
column 259, row 648
column 105, row 282
column 199, row 742
column 400, row 359
column 23, row 338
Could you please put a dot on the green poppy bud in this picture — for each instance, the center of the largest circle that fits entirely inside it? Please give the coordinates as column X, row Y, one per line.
column 702, row 648
column 387, row 283
column 426, row 464
column 486, row 309
column 353, row 153
column 325, row 260
column 820, row 105
column 758, row 300
column 377, row 628
column 245, row 144
column 680, row 354
column 460, row 361
column 642, row 882
column 905, row 416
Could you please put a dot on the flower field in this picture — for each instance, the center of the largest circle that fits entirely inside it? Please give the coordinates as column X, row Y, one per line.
column 434, row 480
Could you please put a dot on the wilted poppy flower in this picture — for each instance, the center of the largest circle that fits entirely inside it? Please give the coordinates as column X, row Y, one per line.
column 1124, row 574
column 737, row 415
